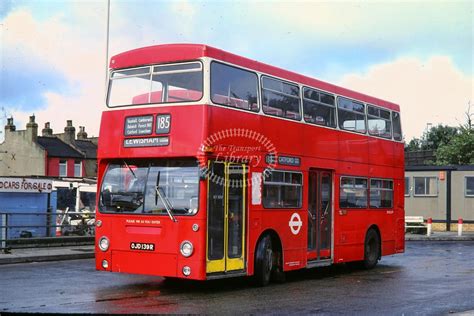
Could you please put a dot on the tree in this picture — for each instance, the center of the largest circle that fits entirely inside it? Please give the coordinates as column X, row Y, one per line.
column 438, row 136
column 435, row 137
column 414, row 145
column 460, row 149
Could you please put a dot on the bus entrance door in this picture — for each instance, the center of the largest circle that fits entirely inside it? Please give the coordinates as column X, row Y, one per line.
column 226, row 217
column 319, row 214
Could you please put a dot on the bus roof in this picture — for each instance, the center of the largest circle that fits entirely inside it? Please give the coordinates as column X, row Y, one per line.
column 186, row 52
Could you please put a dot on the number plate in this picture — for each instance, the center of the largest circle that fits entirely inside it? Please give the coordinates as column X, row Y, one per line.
column 142, row 246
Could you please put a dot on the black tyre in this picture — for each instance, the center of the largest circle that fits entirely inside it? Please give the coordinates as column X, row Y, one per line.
column 263, row 261
column 371, row 249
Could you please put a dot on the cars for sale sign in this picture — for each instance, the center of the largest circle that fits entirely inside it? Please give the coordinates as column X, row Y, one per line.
column 25, row 185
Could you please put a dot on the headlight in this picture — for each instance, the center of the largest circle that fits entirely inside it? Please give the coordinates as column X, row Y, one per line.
column 104, row 243
column 186, row 248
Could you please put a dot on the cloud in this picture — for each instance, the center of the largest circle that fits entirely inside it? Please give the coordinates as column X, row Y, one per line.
column 428, row 91
column 63, row 44
column 55, row 67
column 24, row 90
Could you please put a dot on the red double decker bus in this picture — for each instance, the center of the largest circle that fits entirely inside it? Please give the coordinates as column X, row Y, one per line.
column 213, row 165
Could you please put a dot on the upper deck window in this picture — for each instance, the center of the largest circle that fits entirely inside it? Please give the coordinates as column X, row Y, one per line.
column 351, row 115
column 379, row 122
column 156, row 84
column 397, row 127
column 319, row 107
column 234, row 87
column 281, row 99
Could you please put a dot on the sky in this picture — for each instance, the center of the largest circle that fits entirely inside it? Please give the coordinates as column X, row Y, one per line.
column 418, row 54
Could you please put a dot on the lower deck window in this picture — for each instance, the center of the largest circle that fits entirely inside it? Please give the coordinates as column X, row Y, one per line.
column 381, row 193
column 282, row 189
column 353, row 192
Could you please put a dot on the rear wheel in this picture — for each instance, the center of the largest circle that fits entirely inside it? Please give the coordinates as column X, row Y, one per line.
column 263, row 261
column 371, row 249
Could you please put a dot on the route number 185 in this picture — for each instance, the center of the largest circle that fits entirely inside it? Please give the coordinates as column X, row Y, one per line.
column 163, row 123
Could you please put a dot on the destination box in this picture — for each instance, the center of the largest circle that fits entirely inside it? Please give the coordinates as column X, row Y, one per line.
column 138, row 125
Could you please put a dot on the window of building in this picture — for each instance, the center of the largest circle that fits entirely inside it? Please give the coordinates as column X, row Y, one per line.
column 425, row 186
column 63, row 168
column 407, row 186
column 77, row 168
column 351, row 115
column 381, row 193
column 379, row 122
column 469, row 188
column 397, row 126
column 281, row 99
column 353, row 192
column 234, row 87
column 319, row 107
column 282, row 189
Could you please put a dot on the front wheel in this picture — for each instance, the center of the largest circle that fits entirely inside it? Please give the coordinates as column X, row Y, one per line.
column 263, row 261
column 371, row 249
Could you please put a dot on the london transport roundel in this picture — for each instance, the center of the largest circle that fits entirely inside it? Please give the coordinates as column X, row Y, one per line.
column 295, row 223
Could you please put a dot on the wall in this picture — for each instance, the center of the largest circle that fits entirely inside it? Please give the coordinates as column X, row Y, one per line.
column 19, row 156
column 53, row 167
column 434, row 207
column 90, row 168
column 462, row 206
column 28, row 203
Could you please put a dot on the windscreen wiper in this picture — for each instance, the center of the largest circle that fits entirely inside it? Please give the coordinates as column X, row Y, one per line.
column 165, row 203
column 163, row 198
column 129, row 168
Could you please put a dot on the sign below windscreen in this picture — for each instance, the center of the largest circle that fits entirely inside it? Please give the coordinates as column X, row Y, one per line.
column 138, row 125
column 146, row 142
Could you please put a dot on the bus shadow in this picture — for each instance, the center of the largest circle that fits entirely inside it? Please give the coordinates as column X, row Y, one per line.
column 162, row 287
column 235, row 284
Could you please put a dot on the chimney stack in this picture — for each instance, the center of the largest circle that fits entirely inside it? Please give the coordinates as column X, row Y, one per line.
column 47, row 130
column 82, row 133
column 69, row 132
column 32, row 129
column 10, row 127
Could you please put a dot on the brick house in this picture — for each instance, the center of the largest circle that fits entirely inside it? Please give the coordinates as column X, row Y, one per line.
column 24, row 153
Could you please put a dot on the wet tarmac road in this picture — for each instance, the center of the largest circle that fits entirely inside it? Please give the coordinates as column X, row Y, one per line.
column 430, row 278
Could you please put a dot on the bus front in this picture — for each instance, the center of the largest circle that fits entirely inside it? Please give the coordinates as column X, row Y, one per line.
column 150, row 193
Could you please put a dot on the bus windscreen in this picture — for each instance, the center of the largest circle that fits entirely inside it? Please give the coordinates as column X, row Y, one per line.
column 156, row 84
column 151, row 188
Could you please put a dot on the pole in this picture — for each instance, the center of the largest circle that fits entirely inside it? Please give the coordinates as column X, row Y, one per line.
column 460, row 227
column 428, row 229
column 3, row 235
column 448, row 200
column 107, row 30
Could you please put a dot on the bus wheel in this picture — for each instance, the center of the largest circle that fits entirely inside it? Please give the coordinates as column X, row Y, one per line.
column 263, row 261
column 371, row 249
